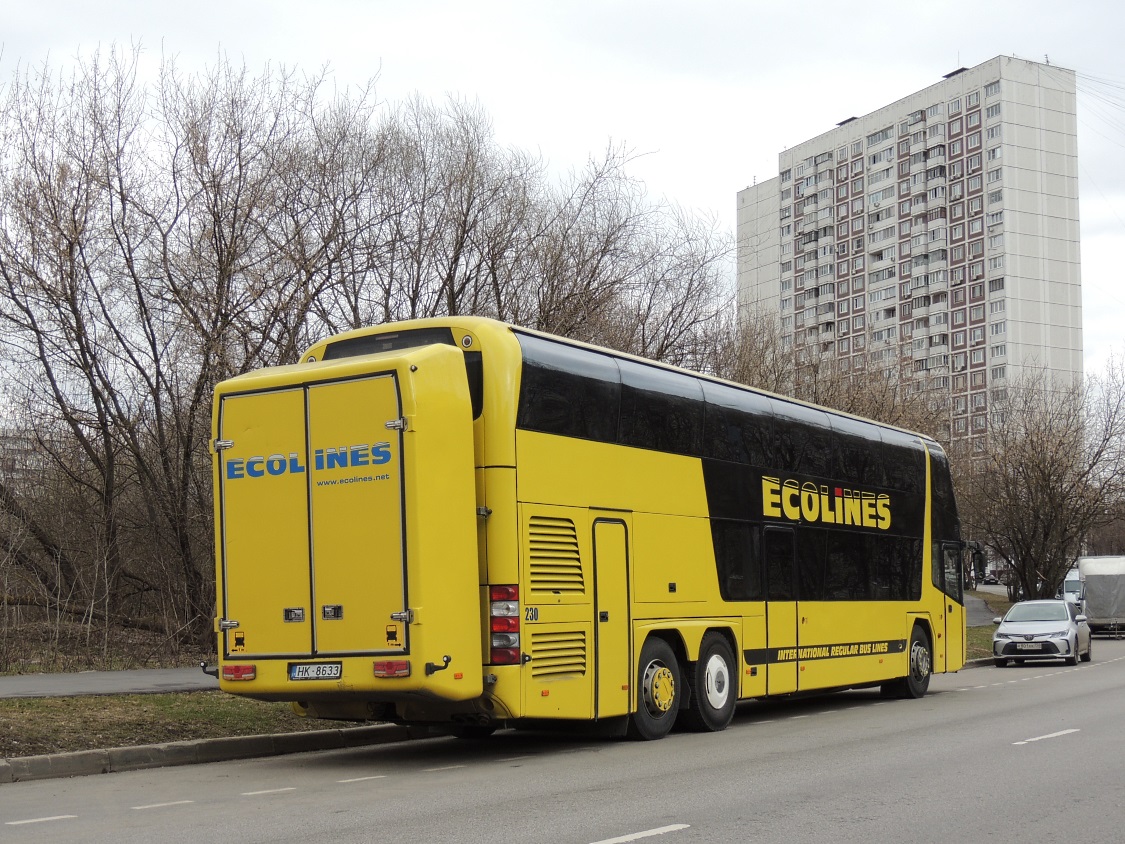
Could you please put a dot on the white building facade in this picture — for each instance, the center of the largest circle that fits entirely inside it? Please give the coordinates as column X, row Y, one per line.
column 937, row 236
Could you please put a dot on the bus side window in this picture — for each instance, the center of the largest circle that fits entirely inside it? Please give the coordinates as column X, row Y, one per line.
column 736, row 559
column 777, row 557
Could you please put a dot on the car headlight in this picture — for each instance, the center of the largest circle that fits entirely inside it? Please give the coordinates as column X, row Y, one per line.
column 999, row 635
column 1061, row 634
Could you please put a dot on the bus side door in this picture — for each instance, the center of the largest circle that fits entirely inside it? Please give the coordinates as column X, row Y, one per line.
column 952, row 656
column 781, row 610
column 612, row 651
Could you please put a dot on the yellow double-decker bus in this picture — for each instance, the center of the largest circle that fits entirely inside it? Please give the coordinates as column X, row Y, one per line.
column 461, row 522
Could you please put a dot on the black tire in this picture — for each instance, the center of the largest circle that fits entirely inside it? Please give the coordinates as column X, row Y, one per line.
column 658, row 684
column 999, row 662
column 1089, row 655
column 713, row 681
column 919, row 669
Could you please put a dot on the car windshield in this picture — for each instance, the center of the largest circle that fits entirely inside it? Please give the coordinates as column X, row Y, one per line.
column 1037, row 612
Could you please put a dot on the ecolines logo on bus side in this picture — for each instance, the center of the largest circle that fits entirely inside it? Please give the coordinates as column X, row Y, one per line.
column 807, row 501
column 343, row 457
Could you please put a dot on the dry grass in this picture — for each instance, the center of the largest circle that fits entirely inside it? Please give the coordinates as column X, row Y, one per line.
column 31, row 726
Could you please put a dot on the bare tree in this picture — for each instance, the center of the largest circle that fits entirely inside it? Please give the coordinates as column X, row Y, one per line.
column 1053, row 468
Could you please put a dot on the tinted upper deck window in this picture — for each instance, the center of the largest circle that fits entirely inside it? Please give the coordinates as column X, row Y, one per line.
column 568, row 391
column 660, row 410
column 738, row 426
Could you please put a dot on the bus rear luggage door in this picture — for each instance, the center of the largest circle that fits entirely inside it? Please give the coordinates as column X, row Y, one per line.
column 264, row 524
column 357, row 529
column 781, row 610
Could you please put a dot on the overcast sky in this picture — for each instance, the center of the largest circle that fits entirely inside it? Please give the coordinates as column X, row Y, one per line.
column 710, row 92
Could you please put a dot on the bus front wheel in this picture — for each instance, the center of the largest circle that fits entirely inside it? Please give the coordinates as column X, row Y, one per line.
column 714, row 691
column 658, row 683
column 917, row 679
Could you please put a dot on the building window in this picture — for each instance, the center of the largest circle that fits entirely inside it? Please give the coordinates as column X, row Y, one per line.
column 995, row 196
column 994, row 175
column 998, row 328
column 996, row 263
column 996, row 241
column 999, row 350
column 955, row 106
column 992, row 88
column 972, row 99
column 999, row 373
column 976, row 313
column 973, row 141
column 994, row 132
column 995, row 285
column 976, row 357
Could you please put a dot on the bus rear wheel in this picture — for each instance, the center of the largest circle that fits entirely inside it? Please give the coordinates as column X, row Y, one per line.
column 658, row 679
column 713, row 684
column 917, row 679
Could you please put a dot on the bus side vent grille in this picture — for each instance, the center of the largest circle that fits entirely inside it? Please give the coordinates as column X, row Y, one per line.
column 558, row 654
column 556, row 567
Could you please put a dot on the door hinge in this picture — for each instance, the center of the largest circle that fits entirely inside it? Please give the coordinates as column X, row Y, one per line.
column 484, row 512
column 221, row 445
column 406, row 617
column 396, row 424
column 227, row 624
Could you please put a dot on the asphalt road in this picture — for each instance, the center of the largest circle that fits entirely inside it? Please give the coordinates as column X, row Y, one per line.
column 1026, row 753
column 140, row 681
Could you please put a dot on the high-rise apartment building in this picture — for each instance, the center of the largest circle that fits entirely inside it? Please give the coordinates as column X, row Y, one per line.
column 937, row 236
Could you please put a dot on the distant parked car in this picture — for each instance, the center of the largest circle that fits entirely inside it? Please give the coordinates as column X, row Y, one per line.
column 990, row 580
column 1048, row 629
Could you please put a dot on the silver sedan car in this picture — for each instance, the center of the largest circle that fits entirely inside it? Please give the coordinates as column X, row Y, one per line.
column 1041, row 630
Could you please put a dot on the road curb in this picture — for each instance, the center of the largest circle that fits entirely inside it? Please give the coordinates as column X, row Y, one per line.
column 197, row 751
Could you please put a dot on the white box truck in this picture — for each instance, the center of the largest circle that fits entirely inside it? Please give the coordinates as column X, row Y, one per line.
column 1104, row 578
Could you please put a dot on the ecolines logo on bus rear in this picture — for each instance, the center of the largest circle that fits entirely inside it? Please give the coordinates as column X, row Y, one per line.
column 343, row 457
column 810, row 502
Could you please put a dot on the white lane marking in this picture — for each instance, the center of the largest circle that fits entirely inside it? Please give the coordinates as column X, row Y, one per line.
column 40, row 820
column 1049, row 735
column 446, row 768
column 267, row 791
column 648, row 833
column 161, row 805
column 365, row 779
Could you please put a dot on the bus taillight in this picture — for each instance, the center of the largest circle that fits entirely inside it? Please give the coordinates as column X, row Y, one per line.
column 504, row 625
column 240, row 672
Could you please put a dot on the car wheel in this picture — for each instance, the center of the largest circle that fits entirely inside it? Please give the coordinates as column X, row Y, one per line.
column 1073, row 658
column 1000, row 663
column 1089, row 655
